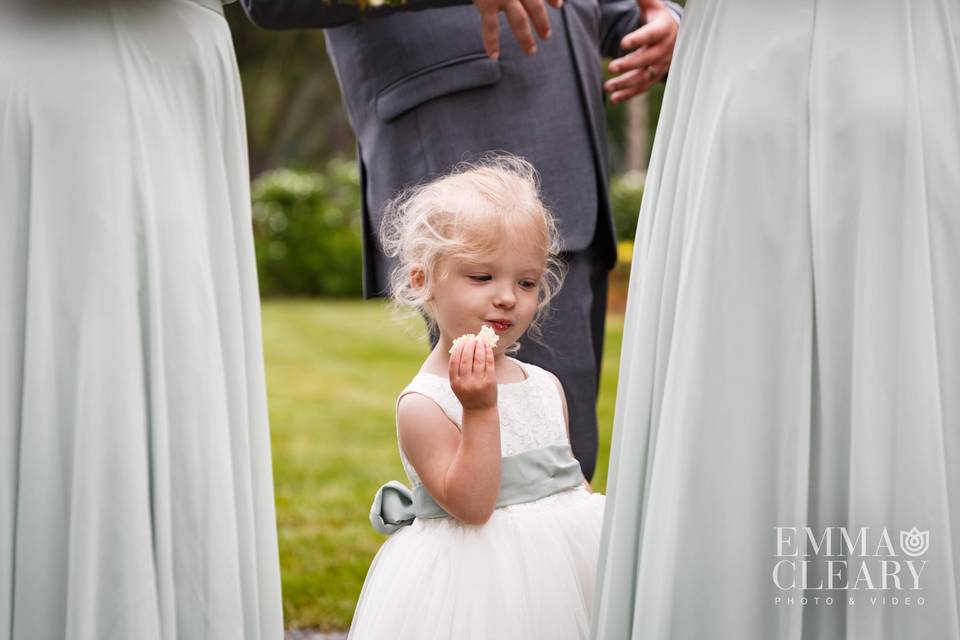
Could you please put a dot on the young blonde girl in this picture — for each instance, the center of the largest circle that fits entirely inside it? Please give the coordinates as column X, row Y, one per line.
column 499, row 536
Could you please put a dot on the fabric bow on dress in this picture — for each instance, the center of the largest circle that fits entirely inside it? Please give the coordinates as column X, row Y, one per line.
column 392, row 508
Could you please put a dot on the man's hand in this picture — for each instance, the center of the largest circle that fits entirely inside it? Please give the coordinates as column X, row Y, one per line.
column 651, row 50
column 520, row 13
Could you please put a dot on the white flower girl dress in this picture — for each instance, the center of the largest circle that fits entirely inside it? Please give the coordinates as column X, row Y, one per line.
column 528, row 572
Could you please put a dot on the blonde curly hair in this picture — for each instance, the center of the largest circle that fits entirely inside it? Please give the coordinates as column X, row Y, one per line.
column 466, row 214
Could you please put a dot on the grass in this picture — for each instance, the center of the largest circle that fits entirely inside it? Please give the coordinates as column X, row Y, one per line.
column 334, row 370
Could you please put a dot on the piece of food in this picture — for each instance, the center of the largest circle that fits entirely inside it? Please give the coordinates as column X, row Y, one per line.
column 487, row 334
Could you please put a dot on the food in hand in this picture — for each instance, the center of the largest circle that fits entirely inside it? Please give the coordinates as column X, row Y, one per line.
column 487, row 335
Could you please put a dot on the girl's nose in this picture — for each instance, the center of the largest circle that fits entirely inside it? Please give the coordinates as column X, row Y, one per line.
column 505, row 298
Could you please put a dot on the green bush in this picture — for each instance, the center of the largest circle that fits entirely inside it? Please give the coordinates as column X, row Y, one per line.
column 626, row 192
column 307, row 232
column 307, row 228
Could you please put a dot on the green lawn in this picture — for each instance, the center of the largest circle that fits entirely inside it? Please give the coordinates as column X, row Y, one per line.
column 334, row 369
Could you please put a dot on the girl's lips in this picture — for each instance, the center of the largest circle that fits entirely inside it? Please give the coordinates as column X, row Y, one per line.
column 499, row 327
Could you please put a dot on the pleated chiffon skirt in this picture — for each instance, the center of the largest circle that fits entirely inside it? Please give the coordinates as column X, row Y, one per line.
column 136, row 495
column 791, row 357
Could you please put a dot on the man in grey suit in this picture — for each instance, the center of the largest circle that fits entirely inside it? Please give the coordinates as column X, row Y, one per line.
column 425, row 90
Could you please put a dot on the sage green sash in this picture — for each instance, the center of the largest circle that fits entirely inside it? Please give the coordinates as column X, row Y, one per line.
column 525, row 477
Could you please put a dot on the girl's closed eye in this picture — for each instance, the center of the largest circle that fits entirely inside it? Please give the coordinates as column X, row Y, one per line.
column 480, row 277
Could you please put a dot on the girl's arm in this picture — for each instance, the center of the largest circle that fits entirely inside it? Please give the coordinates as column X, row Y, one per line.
column 461, row 470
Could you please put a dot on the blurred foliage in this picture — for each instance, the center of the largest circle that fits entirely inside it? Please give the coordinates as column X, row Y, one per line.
column 294, row 115
column 307, row 231
column 626, row 192
column 620, row 278
column 307, row 228
column 617, row 124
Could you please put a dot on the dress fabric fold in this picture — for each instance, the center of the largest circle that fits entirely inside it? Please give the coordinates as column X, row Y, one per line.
column 791, row 355
column 136, row 496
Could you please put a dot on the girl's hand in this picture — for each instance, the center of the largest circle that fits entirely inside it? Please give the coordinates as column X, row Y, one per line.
column 472, row 376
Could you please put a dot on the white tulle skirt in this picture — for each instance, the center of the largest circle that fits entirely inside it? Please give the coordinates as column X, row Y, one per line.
column 527, row 573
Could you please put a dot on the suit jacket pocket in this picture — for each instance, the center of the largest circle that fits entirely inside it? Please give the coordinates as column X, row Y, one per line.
column 434, row 81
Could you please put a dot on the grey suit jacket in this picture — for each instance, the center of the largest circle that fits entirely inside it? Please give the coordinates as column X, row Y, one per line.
column 422, row 95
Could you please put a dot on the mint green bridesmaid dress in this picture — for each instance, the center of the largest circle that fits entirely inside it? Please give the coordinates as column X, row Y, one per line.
column 791, row 357
column 136, row 496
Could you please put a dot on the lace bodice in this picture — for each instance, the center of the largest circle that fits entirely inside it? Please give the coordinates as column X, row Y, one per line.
column 531, row 411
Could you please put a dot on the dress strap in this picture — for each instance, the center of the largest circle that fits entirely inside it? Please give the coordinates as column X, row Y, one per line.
column 437, row 388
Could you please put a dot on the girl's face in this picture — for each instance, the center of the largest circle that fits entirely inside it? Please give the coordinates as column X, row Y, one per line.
column 499, row 289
